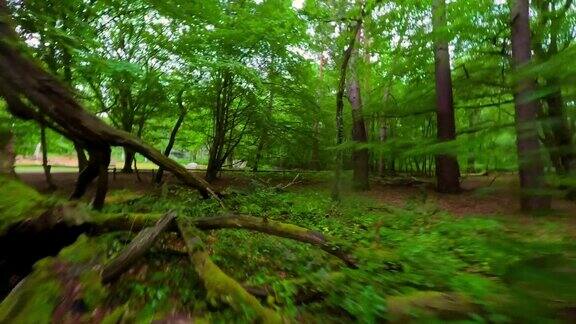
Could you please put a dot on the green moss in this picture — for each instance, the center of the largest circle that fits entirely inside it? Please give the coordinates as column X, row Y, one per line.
column 18, row 202
column 122, row 196
column 82, row 251
column 220, row 286
column 426, row 304
column 115, row 316
column 35, row 298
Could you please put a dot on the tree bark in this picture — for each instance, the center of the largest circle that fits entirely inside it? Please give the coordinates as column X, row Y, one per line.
column 361, row 156
column 556, row 127
column 382, row 136
column 45, row 166
column 137, row 247
column 531, row 168
column 172, row 140
column 340, row 110
column 81, row 156
column 19, row 76
column 129, row 156
column 447, row 168
column 7, row 155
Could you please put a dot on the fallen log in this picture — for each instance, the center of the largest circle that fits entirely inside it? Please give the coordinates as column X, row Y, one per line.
column 218, row 284
column 137, row 247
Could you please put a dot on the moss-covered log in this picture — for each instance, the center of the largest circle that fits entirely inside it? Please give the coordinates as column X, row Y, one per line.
column 219, row 286
column 278, row 229
column 137, row 247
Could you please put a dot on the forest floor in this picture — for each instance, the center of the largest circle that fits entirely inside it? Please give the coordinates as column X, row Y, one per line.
column 411, row 242
column 482, row 195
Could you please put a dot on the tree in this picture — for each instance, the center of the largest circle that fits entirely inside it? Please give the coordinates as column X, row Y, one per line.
column 182, row 114
column 340, row 107
column 531, row 167
column 447, row 168
column 361, row 156
column 62, row 112
column 555, row 124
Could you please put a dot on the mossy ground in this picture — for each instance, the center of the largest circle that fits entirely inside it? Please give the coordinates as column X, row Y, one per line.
column 510, row 271
column 17, row 202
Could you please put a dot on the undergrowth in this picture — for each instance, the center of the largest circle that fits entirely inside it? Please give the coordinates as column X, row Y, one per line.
column 506, row 271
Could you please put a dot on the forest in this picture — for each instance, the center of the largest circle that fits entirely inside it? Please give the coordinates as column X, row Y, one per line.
column 287, row 161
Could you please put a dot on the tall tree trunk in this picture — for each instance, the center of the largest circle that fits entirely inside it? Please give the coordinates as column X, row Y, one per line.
column 264, row 134
column 383, row 135
column 216, row 153
column 173, row 135
column 315, row 158
column 340, row 111
column 557, row 133
column 562, row 149
column 472, row 122
column 447, row 168
column 531, row 168
column 360, row 157
column 45, row 165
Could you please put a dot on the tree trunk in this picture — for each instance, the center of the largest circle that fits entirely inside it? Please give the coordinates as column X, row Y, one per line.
column 20, row 77
column 447, row 168
column 383, row 135
column 531, row 168
column 129, row 156
column 562, row 152
column 472, row 122
column 45, row 164
column 81, row 156
column 557, row 133
column 97, row 168
column 340, row 111
column 173, row 135
column 215, row 162
column 7, row 156
column 360, row 157
column 264, row 134
column 216, row 154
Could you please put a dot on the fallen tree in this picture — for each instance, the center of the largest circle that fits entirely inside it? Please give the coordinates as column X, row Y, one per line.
column 41, row 227
column 52, row 104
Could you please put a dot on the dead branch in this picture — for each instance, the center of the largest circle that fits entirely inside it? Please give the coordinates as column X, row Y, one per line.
column 136, row 249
